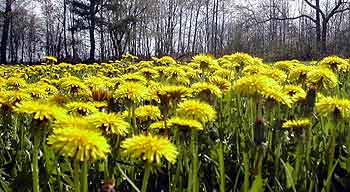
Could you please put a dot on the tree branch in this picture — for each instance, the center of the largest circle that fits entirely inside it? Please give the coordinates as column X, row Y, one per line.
column 288, row 18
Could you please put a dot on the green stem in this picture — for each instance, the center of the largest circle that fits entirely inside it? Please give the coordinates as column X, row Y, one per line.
column 133, row 116
column 246, row 172
column 221, row 167
column 35, row 163
column 76, row 169
column 146, row 176
column 84, row 182
column 194, row 146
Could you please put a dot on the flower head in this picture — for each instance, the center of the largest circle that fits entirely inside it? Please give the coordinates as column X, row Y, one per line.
column 186, row 124
column 335, row 63
column 79, row 143
column 81, row 108
column 322, row 78
column 150, row 148
column 40, row 111
column 196, row 110
column 254, row 85
column 147, row 113
column 206, row 89
column 132, row 91
column 297, row 124
column 110, row 123
column 334, row 107
column 296, row 93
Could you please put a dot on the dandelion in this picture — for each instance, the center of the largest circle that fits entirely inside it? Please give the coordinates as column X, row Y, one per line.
column 335, row 63
column 254, row 85
column 297, row 124
column 298, row 74
column 133, row 92
column 150, row 149
column 204, row 60
column 39, row 110
column 79, row 143
column 277, row 96
column 196, row 110
column 81, row 108
column 322, row 78
column 51, row 59
column 296, row 93
column 206, row 90
column 14, row 83
column 110, row 123
column 147, row 113
column 166, row 60
column 185, row 124
column 334, row 107
column 223, row 84
column 133, row 77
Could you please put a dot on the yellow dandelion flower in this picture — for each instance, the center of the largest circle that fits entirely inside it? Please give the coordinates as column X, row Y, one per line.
column 196, row 110
column 110, row 123
column 334, row 107
column 132, row 92
column 79, row 144
column 145, row 64
column 150, row 149
column 277, row 96
column 335, row 63
column 287, row 65
column 133, row 77
column 223, row 84
column 166, row 60
column 242, row 59
column 255, row 69
column 51, row 59
column 298, row 74
column 185, row 124
column 297, row 124
column 14, row 83
column 275, row 74
column 322, row 78
column 224, row 73
column 39, row 110
column 149, row 73
column 166, row 93
column 204, row 60
column 81, row 108
column 73, row 85
column 206, row 89
column 296, row 93
column 254, row 84
column 158, row 125
column 129, row 57
column 36, row 92
column 147, row 113
column 10, row 98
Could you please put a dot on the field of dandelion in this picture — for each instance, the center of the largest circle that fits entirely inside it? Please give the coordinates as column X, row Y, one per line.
column 209, row 124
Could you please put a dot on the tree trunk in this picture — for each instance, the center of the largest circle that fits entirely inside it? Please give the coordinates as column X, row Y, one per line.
column 5, row 32
column 92, row 30
column 324, row 37
column 65, row 27
column 318, row 27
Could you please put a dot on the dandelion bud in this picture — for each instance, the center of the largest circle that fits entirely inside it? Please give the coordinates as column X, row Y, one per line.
column 310, row 100
column 259, row 136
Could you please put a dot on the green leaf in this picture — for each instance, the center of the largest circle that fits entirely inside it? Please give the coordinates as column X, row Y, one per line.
column 258, row 185
column 289, row 172
column 289, row 175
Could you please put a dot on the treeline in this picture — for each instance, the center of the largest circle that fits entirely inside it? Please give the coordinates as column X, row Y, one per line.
column 89, row 30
